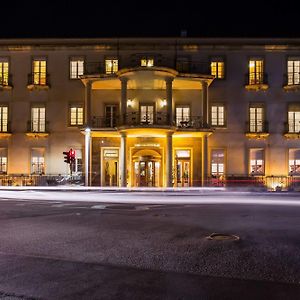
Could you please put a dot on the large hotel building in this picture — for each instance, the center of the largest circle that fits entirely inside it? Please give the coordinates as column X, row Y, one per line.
column 150, row 112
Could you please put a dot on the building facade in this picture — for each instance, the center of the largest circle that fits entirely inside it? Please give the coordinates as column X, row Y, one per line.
column 153, row 112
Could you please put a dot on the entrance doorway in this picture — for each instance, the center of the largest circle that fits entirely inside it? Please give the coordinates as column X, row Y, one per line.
column 110, row 167
column 183, row 168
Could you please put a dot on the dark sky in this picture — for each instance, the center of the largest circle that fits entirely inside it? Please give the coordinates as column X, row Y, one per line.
column 108, row 18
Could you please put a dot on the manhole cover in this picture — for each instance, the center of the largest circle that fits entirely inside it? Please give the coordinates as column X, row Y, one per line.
column 223, row 237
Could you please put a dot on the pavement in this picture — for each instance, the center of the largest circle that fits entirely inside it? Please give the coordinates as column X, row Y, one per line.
column 54, row 249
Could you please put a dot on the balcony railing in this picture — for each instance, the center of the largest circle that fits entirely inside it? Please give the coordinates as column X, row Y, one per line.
column 256, row 78
column 6, row 81
column 257, row 127
column 39, row 79
column 38, row 126
column 292, row 127
column 105, row 122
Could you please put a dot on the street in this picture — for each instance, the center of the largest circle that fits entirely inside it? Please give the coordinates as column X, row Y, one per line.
column 118, row 245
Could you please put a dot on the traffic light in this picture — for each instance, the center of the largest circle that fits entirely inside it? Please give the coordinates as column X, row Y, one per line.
column 72, row 155
column 67, row 157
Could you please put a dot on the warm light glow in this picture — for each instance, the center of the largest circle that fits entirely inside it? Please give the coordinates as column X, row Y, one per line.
column 163, row 102
column 129, row 102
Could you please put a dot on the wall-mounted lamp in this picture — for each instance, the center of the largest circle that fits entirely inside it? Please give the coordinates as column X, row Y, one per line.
column 163, row 102
column 129, row 103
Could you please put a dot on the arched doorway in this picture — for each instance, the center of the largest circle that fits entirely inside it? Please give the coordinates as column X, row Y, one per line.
column 147, row 168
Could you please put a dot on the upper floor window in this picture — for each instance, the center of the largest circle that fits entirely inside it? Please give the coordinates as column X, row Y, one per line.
column 183, row 116
column 294, row 161
column 4, row 71
column 76, row 67
column 147, row 114
column 3, row 160
column 111, row 115
column 217, row 69
column 111, row 66
column 294, row 118
column 293, row 71
column 76, row 114
column 39, row 71
column 217, row 162
column 256, row 118
column 38, row 119
column 147, row 62
column 218, row 115
column 256, row 71
column 3, row 118
column 38, row 161
column 257, row 161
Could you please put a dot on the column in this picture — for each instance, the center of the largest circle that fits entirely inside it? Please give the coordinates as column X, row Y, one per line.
column 169, row 160
column 204, row 160
column 123, row 103
column 88, row 104
column 123, row 165
column 169, row 96
column 87, row 157
column 205, row 104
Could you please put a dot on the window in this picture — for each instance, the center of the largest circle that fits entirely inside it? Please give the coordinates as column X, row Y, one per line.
column 294, row 161
column 111, row 66
column 256, row 116
column 38, row 161
column 217, row 162
column 76, row 67
column 182, row 65
column 217, row 69
column 76, row 115
column 182, row 116
column 218, row 115
column 38, row 119
column 293, row 75
column 4, row 75
column 147, row 62
column 147, row 114
column 111, row 116
column 77, row 166
column 256, row 72
column 3, row 161
column 3, row 118
column 294, row 118
column 257, row 162
column 39, row 71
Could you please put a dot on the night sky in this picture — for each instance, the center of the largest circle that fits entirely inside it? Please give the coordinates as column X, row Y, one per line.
column 145, row 19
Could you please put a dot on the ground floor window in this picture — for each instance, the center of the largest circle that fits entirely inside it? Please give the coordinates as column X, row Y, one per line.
column 257, row 164
column 3, row 161
column 183, row 167
column 294, row 161
column 110, row 169
column 38, row 161
column 217, row 162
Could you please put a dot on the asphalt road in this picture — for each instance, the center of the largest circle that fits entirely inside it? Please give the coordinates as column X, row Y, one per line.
column 87, row 250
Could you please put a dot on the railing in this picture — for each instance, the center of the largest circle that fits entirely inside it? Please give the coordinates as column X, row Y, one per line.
column 135, row 118
column 105, row 122
column 38, row 126
column 290, row 127
column 38, row 78
column 256, row 78
column 193, row 122
column 256, row 127
column 6, row 80
column 291, row 79
column 92, row 68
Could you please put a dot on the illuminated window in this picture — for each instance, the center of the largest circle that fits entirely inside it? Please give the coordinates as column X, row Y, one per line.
column 294, row 118
column 294, row 161
column 218, row 115
column 76, row 68
column 3, row 118
column 37, row 161
column 218, row 69
column 183, row 116
column 257, row 165
column 217, row 162
column 76, row 115
column 256, row 72
column 111, row 115
column 3, row 161
column 77, row 166
column 256, row 116
column 38, row 119
column 4, row 71
column 147, row 62
column 147, row 114
column 293, row 68
column 111, row 66
column 183, row 153
column 39, row 71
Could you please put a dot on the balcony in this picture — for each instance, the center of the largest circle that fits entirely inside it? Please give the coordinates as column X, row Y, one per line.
column 38, row 81
column 6, row 82
column 292, row 130
column 256, row 81
column 258, row 131
column 37, row 129
column 5, row 130
column 291, row 82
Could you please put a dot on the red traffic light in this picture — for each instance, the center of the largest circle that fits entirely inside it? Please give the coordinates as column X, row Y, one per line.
column 69, row 156
column 72, row 155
